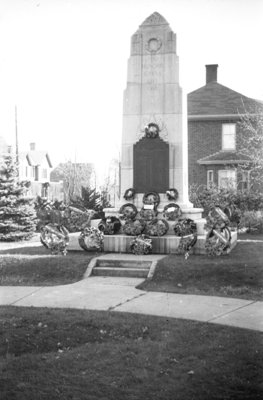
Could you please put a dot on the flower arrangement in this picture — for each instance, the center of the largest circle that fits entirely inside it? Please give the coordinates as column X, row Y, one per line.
column 172, row 212
column 151, row 198
column 55, row 238
column 133, row 228
column 129, row 194
column 140, row 245
column 156, row 227
column 148, row 214
column 91, row 239
column 109, row 225
column 172, row 194
column 185, row 227
column 128, row 211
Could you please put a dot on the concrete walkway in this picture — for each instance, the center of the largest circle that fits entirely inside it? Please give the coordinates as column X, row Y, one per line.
column 121, row 295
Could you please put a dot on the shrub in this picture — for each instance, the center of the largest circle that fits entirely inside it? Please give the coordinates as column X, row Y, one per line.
column 253, row 221
column 237, row 201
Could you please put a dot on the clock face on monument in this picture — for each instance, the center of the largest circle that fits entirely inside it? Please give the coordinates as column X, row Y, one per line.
column 153, row 45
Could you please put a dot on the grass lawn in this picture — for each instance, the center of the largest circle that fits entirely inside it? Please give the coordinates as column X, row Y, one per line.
column 239, row 274
column 35, row 266
column 250, row 236
column 78, row 354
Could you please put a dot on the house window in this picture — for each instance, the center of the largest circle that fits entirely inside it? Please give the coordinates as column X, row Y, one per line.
column 227, row 179
column 44, row 173
column 229, row 137
column 210, row 178
column 244, row 181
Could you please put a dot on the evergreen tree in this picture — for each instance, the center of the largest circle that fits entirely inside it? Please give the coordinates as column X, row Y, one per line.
column 17, row 212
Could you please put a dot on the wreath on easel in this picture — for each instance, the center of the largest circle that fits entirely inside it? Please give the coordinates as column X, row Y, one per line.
column 186, row 229
column 55, row 237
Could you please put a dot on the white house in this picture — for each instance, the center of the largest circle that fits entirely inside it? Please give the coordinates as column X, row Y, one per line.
column 35, row 167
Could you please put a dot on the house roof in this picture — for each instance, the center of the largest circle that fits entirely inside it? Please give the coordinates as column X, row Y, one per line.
column 215, row 99
column 35, row 157
column 224, row 157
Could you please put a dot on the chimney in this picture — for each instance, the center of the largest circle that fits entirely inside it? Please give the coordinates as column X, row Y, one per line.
column 32, row 146
column 211, row 73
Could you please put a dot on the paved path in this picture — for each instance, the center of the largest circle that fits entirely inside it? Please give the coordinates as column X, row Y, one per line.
column 121, row 295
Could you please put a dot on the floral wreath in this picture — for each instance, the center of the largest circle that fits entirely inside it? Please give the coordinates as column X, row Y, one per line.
column 91, row 239
column 172, row 194
column 151, row 198
column 157, row 227
column 129, row 194
column 185, row 227
column 172, row 212
column 109, row 225
column 152, row 130
column 216, row 219
column 142, row 244
column 218, row 242
column 55, row 237
column 133, row 228
column 129, row 211
column 148, row 215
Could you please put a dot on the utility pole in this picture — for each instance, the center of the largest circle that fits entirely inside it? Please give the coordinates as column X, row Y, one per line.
column 17, row 153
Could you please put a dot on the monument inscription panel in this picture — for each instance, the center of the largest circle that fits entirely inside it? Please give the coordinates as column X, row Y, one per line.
column 151, row 165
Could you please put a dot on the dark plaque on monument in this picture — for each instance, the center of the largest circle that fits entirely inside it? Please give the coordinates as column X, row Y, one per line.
column 151, row 165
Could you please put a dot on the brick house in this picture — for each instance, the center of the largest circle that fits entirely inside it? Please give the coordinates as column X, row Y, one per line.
column 213, row 151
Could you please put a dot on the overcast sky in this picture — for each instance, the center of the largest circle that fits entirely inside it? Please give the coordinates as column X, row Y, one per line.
column 64, row 64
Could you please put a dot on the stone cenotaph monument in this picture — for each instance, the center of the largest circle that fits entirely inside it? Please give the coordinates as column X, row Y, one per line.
column 153, row 96
column 154, row 136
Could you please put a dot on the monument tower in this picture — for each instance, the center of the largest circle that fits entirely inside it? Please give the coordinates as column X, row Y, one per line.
column 154, row 141
column 154, row 135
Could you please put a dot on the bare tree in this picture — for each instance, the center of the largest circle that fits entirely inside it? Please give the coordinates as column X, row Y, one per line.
column 74, row 177
column 251, row 145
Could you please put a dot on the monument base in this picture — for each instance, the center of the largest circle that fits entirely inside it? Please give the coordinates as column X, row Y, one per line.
column 167, row 244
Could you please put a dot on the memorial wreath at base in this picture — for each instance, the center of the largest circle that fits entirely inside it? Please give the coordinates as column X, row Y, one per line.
column 133, row 228
column 55, row 238
column 140, row 245
column 156, row 227
column 109, row 225
column 91, row 239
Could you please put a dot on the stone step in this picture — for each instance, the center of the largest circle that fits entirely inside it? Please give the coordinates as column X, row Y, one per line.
column 123, row 264
column 121, row 272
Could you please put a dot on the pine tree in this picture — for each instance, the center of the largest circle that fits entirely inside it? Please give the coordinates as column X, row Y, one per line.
column 17, row 212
